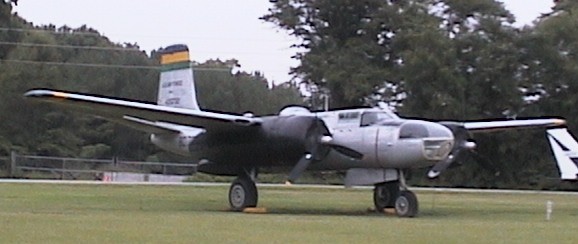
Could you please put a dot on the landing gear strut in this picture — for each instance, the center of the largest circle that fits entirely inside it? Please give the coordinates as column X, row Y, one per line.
column 243, row 193
column 385, row 194
column 406, row 204
column 394, row 194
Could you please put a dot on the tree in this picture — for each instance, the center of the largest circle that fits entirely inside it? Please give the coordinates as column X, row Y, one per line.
column 550, row 65
column 444, row 60
column 218, row 89
column 347, row 45
column 82, row 60
column 7, row 20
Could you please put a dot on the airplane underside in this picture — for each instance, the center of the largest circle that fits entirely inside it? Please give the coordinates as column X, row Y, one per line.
column 243, row 194
column 390, row 190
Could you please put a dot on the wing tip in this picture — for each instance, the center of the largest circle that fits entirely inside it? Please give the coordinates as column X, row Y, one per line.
column 40, row 93
column 559, row 122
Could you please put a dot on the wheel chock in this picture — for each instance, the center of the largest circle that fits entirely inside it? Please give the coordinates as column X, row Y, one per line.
column 386, row 211
column 255, row 210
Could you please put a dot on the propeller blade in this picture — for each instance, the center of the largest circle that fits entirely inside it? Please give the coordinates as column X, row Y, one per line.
column 347, row 151
column 318, row 142
column 328, row 140
column 462, row 140
column 456, row 152
column 299, row 168
column 438, row 168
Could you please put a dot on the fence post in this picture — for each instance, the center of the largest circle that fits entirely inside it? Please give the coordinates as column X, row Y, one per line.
column 63, row 169
column 12, row 165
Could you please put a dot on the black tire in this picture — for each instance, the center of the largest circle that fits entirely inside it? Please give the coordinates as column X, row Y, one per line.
column 406, row 204
column 243, row 194
column 385, row 194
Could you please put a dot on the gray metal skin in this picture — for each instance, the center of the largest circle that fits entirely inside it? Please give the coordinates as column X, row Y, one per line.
column 264, row 147
column 230, row 144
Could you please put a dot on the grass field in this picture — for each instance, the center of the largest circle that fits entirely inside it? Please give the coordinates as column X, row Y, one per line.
column 54, row 213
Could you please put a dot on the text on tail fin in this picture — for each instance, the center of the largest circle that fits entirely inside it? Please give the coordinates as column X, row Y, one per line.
column 176, row 83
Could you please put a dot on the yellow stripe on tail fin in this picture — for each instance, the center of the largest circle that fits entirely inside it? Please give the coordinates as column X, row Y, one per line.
column 177, row 57
column 176, row 83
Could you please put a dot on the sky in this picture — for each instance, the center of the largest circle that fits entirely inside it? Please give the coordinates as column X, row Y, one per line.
column 212, row 29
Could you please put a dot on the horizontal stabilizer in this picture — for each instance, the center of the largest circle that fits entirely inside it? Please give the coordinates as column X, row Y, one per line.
column 148, row 126
column 565, row 149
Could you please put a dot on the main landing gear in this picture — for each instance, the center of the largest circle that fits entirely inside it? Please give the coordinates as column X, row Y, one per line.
column 394, row 194
column 243, row 193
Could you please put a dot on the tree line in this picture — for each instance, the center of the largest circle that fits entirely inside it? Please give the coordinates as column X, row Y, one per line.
column 82, row 60
column 446, row 60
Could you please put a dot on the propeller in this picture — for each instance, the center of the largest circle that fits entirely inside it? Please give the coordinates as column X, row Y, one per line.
column 318, row 143
column 463, row 142
column 299, row 168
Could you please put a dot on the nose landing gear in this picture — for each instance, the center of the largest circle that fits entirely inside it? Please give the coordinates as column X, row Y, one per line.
column 394, row 194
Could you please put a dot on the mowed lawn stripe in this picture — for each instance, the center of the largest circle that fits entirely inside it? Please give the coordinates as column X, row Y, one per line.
column 53, row 213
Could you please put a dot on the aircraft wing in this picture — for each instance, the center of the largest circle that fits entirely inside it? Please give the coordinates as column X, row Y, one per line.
column 144, row 116
column 462, row 134
column 490, row 126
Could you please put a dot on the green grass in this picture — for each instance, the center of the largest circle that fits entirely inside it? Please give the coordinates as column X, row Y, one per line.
column 53, row 213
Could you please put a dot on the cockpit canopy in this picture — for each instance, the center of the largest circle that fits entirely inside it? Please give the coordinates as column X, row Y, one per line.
column 374, row 117
column 422, row 129
column 413, row 130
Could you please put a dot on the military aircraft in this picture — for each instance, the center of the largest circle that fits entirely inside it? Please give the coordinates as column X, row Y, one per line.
column 373, row 145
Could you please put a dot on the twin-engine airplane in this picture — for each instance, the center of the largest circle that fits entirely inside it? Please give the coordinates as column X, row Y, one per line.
column 373, row 145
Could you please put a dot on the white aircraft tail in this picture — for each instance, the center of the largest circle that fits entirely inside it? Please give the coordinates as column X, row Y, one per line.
column 565, row 149
column 177, row 85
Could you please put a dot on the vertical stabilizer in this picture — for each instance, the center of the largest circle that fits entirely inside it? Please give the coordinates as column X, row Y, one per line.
column 565, row 149
column 177, row 85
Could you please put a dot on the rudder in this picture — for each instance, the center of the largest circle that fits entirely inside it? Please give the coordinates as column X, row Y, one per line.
column 176, row 82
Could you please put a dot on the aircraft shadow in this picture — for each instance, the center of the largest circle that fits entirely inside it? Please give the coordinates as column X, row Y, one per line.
column 317, row 212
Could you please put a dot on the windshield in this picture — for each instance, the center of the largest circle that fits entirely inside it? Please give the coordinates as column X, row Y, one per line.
column 371, row 118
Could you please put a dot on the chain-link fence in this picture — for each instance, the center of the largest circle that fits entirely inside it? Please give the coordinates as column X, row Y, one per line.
column 44, row 167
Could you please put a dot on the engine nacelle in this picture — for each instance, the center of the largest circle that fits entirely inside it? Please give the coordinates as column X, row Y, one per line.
column 296, row 134
column 176, row 143
column 294, row 110
column 292, row 129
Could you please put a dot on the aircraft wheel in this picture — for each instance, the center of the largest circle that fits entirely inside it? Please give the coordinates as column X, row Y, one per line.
column 242, row 194
column 406, row 204
column 385, row 194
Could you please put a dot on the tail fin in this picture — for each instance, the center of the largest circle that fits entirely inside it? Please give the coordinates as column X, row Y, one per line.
column 177, row 85
column 565, row 149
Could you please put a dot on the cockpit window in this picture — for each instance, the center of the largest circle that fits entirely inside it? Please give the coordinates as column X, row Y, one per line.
column 348, row 117
column 413, row 130
column 371, row 118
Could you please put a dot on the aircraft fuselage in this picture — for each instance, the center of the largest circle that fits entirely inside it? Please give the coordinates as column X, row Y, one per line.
column 385, row 140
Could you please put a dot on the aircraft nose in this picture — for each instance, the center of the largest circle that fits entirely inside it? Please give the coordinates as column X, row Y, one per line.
column 439, row 143
column 437, row 139
column 438, row 130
